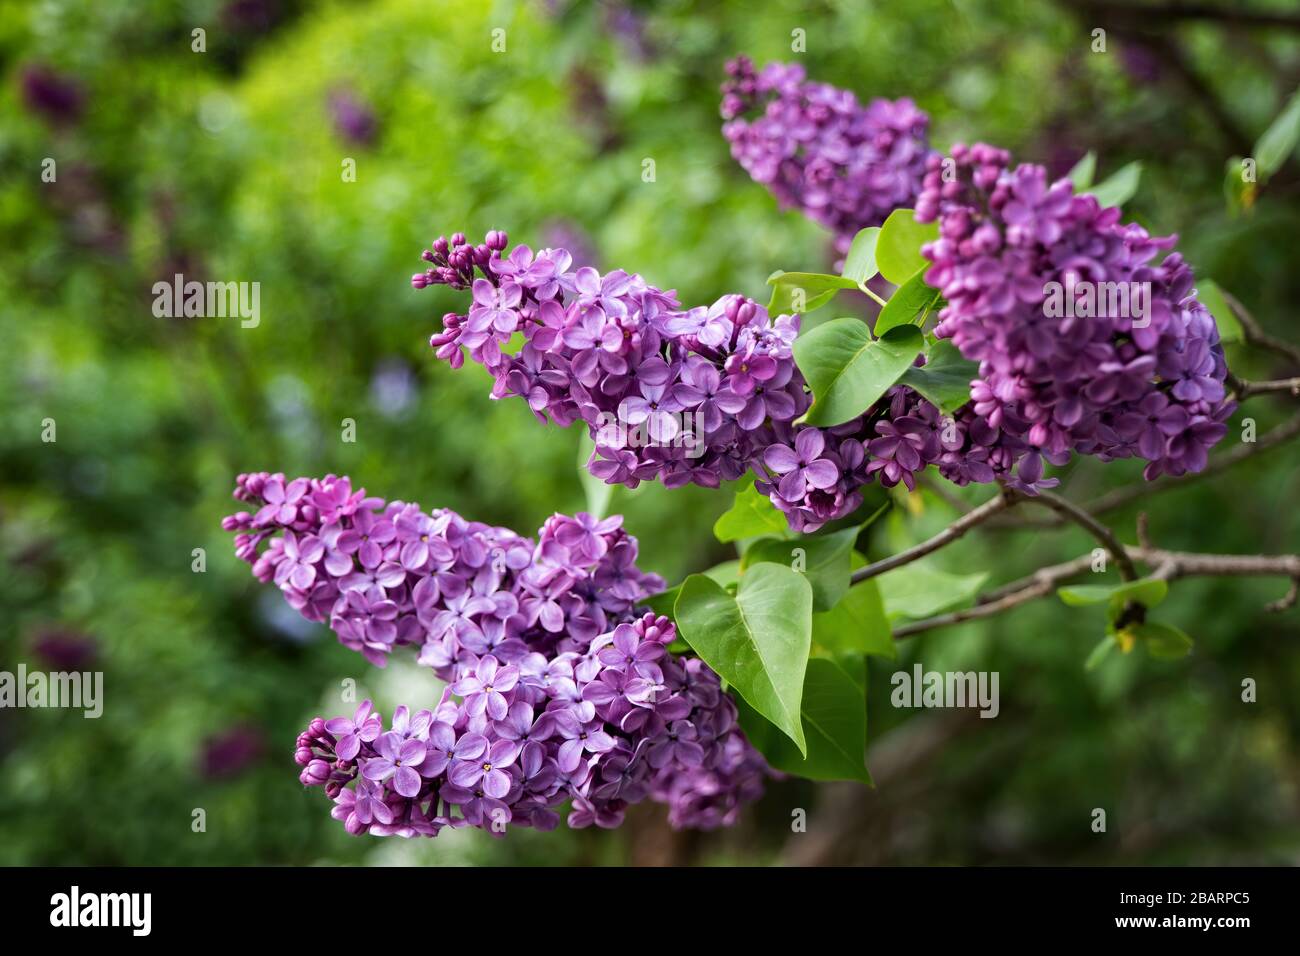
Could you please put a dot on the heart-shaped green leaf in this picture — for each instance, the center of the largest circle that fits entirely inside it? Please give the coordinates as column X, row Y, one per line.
column 898, row 251
column 834, row 716
column 920, row 590
column 911, row 304
column 857, row 624
column 1082, row 172
column 945, row 378
column 1119, row 187
column 757, row 639
column 823, row 559
column 860, row 263
column 751, row 514
column 849, row 370
column 802, row 292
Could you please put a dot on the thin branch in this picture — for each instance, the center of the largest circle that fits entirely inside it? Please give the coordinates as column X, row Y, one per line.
column 1072, row 512
column 976, row 516
column 1171, row 565
column 1039, row 584
column 1245, row 389
column 1255, row 334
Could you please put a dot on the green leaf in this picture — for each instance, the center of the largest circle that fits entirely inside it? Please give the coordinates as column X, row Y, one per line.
column 1119, row 187
column 757, row 640
column 1163, row 641
column 596, row 492
column 815, row 288
column 1211, row 296
column 834, row 712
column 849, row 370
column 920, row 590
column 898, row 251
column 1148, row 592
column 726, row 573
column 825, row 560
column 911, row 304
column 860, row 263
column 1279, row 140
column 1099, row 653
column 1083, row 171
column 945, row 378
column 751, row 515
column 857, row 624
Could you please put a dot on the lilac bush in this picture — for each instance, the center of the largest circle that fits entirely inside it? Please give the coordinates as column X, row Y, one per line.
column 559, row 682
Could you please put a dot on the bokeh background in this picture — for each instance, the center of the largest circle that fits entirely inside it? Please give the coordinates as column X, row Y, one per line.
column 227, row 165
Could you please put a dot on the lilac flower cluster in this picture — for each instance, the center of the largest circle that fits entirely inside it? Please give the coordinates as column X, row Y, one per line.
column 559, row 686
column 845, row 165
column 1101, row 378
column 691, row 396
column 682, row 396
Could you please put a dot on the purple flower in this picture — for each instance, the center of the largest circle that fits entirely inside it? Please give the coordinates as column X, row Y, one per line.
column 487, row 771
column 517, row 732
column 485, row 689
column 800, row 466
column 579, row 738
column 397, row 758
column 364, row 727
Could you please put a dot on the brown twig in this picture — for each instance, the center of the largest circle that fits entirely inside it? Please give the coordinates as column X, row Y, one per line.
column 976, row 516
column 1171, row 565
column 1245, row 389
column 1072, row 512
column 1254, row 332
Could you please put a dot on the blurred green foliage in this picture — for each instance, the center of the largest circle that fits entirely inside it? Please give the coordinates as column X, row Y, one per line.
column 226, row 164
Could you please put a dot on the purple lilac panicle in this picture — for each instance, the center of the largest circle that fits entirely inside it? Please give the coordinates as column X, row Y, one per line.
column 693, row 396
column 819, row 150
column 559, row 686
column 1110, row 385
